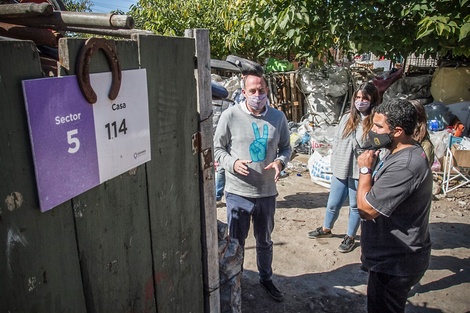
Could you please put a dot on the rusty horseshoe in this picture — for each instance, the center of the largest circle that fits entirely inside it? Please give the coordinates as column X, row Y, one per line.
column 83, row 67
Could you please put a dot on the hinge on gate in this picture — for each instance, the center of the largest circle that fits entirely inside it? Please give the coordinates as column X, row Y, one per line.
column 206, row 154
column 206, row 157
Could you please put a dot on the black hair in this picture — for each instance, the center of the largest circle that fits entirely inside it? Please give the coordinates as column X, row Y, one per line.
column 399, row 113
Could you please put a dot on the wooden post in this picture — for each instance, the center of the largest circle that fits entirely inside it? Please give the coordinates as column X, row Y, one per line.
column 284, row 89
column 294, row 98
column 275, row 92
column 293, row 88
column 207, row 175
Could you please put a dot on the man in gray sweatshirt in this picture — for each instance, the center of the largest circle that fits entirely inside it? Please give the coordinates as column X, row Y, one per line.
column 252, row 144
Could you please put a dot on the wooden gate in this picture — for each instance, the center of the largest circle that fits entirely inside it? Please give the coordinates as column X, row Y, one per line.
column 144, row 241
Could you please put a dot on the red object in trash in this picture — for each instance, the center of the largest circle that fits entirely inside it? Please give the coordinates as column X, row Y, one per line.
column 458, row 130
column 382, row 84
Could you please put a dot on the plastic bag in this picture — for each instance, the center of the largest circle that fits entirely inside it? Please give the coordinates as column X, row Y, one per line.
column 321, row 139
column 295, row 139
column 439, row 140
column 320, row 169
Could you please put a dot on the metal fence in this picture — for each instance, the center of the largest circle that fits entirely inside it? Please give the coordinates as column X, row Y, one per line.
column 420, row 61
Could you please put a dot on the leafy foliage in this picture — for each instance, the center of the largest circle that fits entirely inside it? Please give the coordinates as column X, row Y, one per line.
column 316, row 30
column 173, row 17
column 444, row 24
column 78, row 5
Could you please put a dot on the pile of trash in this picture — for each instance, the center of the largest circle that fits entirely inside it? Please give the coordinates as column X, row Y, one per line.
column 316, row 142
column 230, row 270
column 325, row 92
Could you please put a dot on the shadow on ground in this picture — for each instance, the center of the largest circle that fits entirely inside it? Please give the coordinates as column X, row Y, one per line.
column 303, row 200
column 343, row 289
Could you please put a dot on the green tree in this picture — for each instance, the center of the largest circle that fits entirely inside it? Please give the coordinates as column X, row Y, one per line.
column 280, row 28
column 313, row 30
column 172, row 17
column 444, row 24
column 78, row 5
column 310, row 28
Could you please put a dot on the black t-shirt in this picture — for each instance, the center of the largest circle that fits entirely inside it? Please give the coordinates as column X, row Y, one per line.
column 398, row 241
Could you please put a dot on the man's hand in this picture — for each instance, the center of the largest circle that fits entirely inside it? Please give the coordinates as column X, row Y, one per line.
column 367, row 158
column 277, row 166
column 240, row 167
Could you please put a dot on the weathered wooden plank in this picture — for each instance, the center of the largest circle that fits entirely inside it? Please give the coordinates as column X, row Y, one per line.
column 173, row 177
column 39, row 265
column 285, row 87
column 112, row 224
column 207, row 182
column 293, row 87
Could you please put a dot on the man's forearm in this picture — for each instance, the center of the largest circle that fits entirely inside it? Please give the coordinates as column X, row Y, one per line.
column 366, row 211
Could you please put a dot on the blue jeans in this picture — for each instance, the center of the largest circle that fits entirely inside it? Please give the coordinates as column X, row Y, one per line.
column 219, row 183
column 340, row 189
column 240, row 211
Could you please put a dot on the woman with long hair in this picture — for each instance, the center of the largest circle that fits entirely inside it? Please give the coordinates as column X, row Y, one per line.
column 421, row 133
column 351, row 139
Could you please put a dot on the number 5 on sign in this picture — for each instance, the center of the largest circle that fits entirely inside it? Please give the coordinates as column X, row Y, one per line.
column 73, row 141
column 77, row 145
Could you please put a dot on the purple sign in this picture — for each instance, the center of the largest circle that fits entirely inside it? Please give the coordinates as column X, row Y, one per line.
column 77, row 145
column 63, row 139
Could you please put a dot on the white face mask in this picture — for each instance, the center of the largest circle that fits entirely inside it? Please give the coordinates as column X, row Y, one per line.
column 362, row 106
column 257, row 103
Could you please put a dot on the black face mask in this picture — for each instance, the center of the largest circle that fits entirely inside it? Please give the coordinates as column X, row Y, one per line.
column 379, row 140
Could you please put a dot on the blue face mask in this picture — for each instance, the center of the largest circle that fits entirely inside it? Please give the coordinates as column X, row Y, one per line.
column 379, row 140
column 257, row 103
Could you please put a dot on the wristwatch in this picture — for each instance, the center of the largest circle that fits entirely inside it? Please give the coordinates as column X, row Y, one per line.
column 282, row 163
column 365, row 170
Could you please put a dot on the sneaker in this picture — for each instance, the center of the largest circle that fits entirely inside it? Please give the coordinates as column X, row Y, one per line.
column 319, row 233
column 347, row 244
column 272, row 290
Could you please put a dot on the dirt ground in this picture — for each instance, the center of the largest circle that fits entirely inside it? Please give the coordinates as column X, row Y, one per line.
column 316, row 277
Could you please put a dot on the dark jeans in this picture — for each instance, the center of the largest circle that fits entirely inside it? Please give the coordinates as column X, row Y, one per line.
column 388, row 293
column 219, row 183
column 240, row 211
